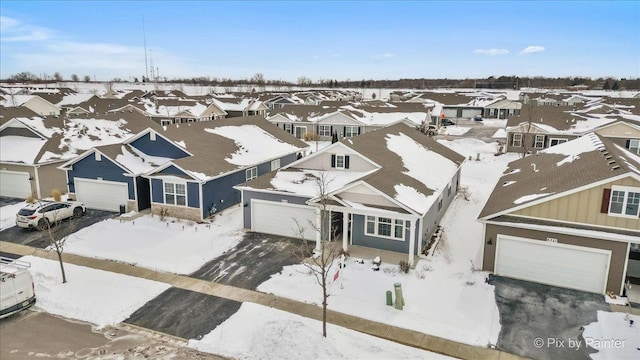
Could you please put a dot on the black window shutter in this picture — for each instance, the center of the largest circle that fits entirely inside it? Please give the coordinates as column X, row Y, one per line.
column 627, row 144
column 346, row 161
column 358, row 130
column 606, row 196
column 333, row 161
column 344, row 131
column 331, row 128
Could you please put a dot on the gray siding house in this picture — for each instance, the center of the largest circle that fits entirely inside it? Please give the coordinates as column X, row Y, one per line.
column 387, row 189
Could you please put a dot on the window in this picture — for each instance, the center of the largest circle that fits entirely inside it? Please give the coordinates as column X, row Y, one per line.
column 516, row 140
column 634, row 146
column 98, row 156
column 165, row 122
column 251, row 173
column 439, row 205
column 340, row 161
column 553, row 142
column 324, row 130
column 385, row 227
column 625, row 201
column 539, row 141
column 152, row 136
column 287, row 128
column 350, row 131
column 175, row 194
column 448, row 189
column 301, row 132
column 275, row 164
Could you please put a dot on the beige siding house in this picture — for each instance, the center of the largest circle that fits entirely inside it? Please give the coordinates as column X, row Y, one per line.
column 568, row 216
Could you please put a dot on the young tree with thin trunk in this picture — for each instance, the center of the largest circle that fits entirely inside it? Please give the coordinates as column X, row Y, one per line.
column 324, row 257
column 54, row 228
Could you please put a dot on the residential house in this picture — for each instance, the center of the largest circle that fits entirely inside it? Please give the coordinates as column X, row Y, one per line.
column 35, row 103
column 110, row 176
column 385, row 189
column 32, row 148
column 224, row 153
column 239, row 107
column 567, row 216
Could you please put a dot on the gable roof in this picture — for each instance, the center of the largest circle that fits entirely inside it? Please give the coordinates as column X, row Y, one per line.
column 561, row 169
column 227, row 145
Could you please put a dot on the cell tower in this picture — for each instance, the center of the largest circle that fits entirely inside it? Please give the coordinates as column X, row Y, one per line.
column 153, row 78
column 144, row 37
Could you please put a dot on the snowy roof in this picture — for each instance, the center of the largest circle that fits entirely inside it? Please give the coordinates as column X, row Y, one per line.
column 20, row 149
column 67, row 138
column 398, row 155
column 227, row 145
column 558, row 170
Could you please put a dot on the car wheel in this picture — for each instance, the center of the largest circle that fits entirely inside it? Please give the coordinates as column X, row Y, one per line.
column 431, row 133
column 77, row 212
column 43, row 224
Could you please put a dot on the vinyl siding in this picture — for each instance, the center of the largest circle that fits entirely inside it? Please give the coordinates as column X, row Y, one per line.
column 583, row 207
column 160, row 147
column 89, row 168
column 358, row 237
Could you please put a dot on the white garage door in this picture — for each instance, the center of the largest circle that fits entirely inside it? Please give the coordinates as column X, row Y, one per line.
column 278, row 218
column 14, row 184
column 101, row 194
column 470, row 113
column 451, row 113
column 569, row 266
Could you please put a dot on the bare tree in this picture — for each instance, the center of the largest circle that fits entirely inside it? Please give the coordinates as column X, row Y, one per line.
column 86, row 78
column 324, row 257
column 57, row 76
column 304, row 81
column 75, row 77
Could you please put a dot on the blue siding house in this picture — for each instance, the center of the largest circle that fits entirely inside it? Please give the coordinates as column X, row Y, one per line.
column 111, row 176
column 225, row 153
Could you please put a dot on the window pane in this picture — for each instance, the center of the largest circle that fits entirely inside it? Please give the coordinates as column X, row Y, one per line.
column 371, row 227
column 340, row 161
column 180, row 189
column 169, row 199
column 168, row 187
column 384, row 226
column 181, row 200
column 633, row 201
column 617, row 199
column 399, row 229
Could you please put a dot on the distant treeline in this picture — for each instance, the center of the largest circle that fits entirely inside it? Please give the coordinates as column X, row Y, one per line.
column 502, row 82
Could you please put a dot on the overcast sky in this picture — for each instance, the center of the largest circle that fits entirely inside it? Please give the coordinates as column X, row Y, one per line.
column 321, row 40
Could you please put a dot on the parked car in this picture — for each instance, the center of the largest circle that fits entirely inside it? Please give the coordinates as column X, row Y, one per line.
column 44, row 213
column 446, row 122
column 477, row 118
column 16, row 286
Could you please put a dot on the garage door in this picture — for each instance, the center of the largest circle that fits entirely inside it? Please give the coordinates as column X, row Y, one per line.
column 450, row 113
column 573, row 267
column 278, row 218
column 470, row 113
column 15, row 184
column 100, row 194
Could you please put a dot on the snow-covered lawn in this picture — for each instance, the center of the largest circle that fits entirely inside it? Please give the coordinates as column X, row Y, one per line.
column 455, row 130
column 100, row 297
column 259, row 332
column 497, row 123
column 443, row 295
column 500, row 134
column 171, row 245
column 8, row 214
column 613, row 336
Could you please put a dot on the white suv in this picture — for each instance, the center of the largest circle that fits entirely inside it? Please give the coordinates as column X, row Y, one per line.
column 44, row 213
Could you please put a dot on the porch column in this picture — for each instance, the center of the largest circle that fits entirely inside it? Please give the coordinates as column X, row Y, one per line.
column 318, row 229
column 412, row 241
column 345, row 231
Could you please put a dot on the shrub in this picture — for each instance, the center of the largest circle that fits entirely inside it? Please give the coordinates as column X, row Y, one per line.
column 31, row 199
column 404, row 266
column 56, row 194
column 163, row 212
column 311, row 137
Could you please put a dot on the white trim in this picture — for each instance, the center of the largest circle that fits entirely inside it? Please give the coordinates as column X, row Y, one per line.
column 563, row 194
column 561, row 141
column 275, row 192
column 554, row 244
column 329, row 149
column 175, row 194
column 37, row 180
column 295, row 131
column 248, row 173
column 624, row 269
column 344, row 160
column 570, row 231
column 364, row 183
column 392, row 224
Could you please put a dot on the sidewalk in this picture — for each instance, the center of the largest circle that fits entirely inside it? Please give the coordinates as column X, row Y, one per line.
column 384, row 331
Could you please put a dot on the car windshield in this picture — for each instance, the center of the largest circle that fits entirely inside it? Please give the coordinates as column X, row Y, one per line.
column 26, row 212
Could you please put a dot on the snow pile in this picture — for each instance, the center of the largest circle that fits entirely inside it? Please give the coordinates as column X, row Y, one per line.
column 8, row 215
column 414, row 157
column 456, row 130
column 277, row 334
column 172, row 246
column 100, row 297
column 500, row 134
column 254, row 144
column 613, row 336
column 444, row 297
